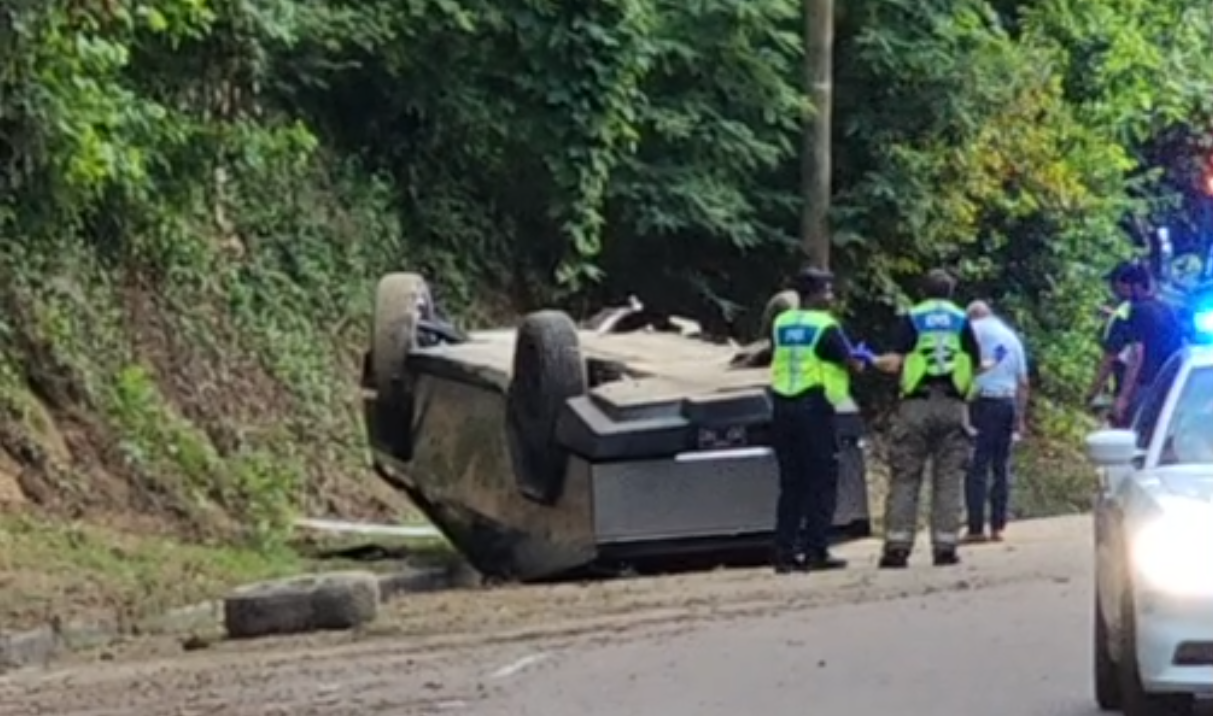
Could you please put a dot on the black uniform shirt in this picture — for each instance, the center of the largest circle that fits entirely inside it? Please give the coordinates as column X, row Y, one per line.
column 1156, row 327
column 833, row 346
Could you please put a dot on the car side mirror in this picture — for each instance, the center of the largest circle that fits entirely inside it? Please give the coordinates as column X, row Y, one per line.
column 1112, row 448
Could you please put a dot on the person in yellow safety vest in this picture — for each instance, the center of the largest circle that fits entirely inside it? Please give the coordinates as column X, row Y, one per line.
column 937, row 356
column 810, row 360
column 1112, row 363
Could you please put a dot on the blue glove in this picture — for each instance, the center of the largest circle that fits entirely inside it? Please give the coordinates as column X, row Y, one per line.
column 863, row 354
column 999, row 353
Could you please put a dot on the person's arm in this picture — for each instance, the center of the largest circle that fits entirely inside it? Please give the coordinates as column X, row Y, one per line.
column 1107, row 363
column 1133, row 336
column 904, row 340
column 971, row 348
column 755, row 355
column 834, row 347
column 1128, row 386
column 1021, row 388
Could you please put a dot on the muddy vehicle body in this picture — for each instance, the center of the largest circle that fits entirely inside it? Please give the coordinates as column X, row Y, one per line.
column 552, row 447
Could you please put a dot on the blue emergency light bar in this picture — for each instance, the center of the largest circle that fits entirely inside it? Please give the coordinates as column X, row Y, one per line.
column 1187, row 288
column 1190, row 292
column 1197, row 312
column 1202, row 324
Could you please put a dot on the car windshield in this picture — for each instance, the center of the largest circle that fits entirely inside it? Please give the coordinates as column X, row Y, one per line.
column 1190, row 428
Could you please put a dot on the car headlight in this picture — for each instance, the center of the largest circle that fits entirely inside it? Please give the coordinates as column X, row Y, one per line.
column 1176, row 556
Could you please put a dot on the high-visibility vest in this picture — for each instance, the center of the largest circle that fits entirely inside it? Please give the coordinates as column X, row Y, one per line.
column 795, row 365
column 939, row 352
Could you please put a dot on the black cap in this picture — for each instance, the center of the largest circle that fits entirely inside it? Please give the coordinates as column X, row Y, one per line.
column 811, row 280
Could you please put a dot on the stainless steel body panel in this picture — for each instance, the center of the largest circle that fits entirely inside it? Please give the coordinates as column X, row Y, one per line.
column 729, row 495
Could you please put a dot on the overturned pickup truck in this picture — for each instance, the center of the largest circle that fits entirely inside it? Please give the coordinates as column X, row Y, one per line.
column 552, row 447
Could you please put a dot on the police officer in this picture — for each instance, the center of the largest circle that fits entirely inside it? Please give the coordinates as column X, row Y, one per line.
column 937, row 357
column 1112, row 362
column 810, row 359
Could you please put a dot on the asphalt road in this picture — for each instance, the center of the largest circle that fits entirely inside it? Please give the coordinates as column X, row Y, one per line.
column 1005, row 633
column 1018, row 649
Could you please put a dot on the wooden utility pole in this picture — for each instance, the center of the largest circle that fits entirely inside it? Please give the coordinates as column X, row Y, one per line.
column 815, row 152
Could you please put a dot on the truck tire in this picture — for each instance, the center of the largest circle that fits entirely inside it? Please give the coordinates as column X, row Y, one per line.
column 319, row 602
column 780, row 302
column 548, row 370
column 1107, row 684
column 1135, row 700
column 395, row 329
column 394, row 335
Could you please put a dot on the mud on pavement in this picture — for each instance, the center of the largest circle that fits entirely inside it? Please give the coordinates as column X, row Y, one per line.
column 438, row 653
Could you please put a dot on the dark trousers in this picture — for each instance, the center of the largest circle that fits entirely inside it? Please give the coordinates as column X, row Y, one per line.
column 994, row 420
column 806, row 446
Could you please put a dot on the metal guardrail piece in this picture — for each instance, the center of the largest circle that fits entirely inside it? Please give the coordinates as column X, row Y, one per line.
column 363, row 528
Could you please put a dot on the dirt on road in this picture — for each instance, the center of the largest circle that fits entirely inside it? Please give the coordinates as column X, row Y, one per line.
column 443, row 652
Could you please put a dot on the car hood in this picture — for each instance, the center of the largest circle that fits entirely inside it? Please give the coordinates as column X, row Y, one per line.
column 1186, row 483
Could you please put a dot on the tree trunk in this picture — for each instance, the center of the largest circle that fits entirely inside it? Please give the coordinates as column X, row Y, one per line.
column 815, row 153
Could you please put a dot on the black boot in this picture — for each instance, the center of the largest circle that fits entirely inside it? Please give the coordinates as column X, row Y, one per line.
column 825, row 562
column 895, row 558
column 787, row 564
column 946, row 556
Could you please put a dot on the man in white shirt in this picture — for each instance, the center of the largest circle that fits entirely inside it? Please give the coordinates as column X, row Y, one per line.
column 996, row 414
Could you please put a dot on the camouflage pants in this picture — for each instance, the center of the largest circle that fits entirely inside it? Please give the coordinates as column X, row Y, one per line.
column 930, row 428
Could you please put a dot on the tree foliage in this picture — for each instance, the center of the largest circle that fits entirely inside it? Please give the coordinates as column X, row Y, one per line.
column 563, row 151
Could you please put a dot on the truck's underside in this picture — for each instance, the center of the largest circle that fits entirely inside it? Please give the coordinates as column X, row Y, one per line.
column 550, row 448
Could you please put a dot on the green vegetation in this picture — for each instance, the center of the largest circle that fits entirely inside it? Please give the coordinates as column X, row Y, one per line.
column 198, row 196
column 84, row 572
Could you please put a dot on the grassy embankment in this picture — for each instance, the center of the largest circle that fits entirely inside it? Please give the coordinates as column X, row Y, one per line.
column 160, row 432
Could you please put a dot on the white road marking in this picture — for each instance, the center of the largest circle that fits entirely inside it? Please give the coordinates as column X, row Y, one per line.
column 516, row 667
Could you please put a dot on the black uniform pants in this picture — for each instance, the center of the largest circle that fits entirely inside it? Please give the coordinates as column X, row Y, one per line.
column 806, row 447
column 1118, row 375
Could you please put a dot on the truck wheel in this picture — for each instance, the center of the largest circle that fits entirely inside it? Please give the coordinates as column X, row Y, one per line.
column 394, row 336
column 780, row 302
column 1107, row 684
column 1135, row 700
column 395, row 329
column 548, row 370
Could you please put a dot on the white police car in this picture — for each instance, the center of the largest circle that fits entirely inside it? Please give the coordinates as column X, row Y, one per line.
column 1154, row 547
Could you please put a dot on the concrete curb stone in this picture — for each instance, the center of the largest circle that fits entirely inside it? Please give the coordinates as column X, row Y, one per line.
column 39, row 646
column 34, row 647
